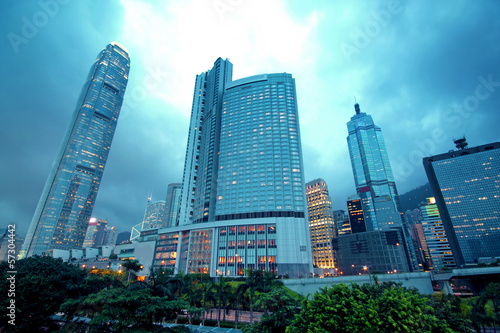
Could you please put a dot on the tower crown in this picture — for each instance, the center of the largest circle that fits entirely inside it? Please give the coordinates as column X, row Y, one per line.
column 356, row 108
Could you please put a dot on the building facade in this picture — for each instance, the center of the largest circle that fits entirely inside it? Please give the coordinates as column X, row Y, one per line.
column 466, row 186
column 371, row 167
column 96, row 233
column 342, row 221
column 172, row 205
column 154, row 214
column 322, row 226
column 65, row 207
column 199, row 181
column 435, row 236
column 243, row 202
column 371, row 252
column 374, row 180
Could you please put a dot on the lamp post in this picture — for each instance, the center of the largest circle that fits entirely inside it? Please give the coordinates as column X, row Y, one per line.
column 365, row 268
column 396, row 271
column 236, row 264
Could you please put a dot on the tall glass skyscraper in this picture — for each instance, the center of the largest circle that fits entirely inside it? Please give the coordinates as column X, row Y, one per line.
column 466, row 185
column 199, row 182
column 372, row 170
column 243, row 200
column 65, row 207
column 374, row 179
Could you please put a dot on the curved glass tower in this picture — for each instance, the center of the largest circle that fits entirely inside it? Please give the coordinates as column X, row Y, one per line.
column 243, row 204
column 65, row 207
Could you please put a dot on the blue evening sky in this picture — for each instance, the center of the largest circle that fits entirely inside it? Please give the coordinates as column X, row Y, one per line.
column 426, row 71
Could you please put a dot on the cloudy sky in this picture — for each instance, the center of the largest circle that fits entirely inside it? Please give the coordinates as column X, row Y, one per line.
column 426, row 71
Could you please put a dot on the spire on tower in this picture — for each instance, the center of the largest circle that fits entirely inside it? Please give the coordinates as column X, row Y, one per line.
column 356, row 106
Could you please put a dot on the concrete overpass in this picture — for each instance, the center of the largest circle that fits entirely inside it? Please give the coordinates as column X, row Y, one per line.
column 420, row 280
column 475, row 278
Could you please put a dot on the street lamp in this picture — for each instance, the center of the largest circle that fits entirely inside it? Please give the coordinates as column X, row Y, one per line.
column 237, row 273
column 365, row 268
column 396, row 271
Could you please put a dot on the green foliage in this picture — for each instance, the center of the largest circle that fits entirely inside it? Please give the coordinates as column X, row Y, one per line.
column 451, row 309
column 42, row 284
column 283, row 309
column 367, row 308
column 123, row 310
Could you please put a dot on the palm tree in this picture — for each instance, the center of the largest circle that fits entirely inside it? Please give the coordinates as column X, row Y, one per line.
column 222, row 290
column 236, row 299
column 491, row 294
column 207, row 296
column 270, row 281
column 254, row 282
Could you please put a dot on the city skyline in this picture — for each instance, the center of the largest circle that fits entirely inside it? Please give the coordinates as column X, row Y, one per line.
column 443, row 84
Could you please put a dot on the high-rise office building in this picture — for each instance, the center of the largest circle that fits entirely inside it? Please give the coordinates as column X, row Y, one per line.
column 421, row 248
column 374, row 180
column 321, row 224
column 342, row 222
column 435, row 236
column 95, row 233
column 361, row 215
column 65, row 207
column 371, row 251
column 372, row 169
column 172, row 205
column 466, row 186
column 199, row 181
column 110, row 236
column 154, row 214
column 243, row 200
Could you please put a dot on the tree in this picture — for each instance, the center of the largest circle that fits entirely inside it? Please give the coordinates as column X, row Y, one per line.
column 131, row 266
column 237, row 299
column 222, row 290
column 282, row 307
column 270, row 281
column 451, row 309
column 489, row 302
column 124, row 310
column 342, row 308
column 254, row 282
column 42, row 284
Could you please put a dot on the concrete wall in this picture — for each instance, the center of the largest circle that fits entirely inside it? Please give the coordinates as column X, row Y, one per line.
column 420, row 280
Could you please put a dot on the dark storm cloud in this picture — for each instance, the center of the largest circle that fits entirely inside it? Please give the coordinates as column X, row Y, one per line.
column 412, row 75
column 417, row 70
column 47, row 54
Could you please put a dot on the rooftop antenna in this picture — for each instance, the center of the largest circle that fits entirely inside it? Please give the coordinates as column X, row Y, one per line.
column 461, row 143
column 356, row 106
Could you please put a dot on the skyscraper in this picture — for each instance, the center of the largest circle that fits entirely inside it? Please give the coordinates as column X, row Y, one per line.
column 65, row 207
column 172, row 204
column 321, row 224
column 243, row 199
column 95, row 233
column 372, row 170
column 435, row 236
column 154, row 214
column 374, row 179
column 466, row 186
column 199, row 182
